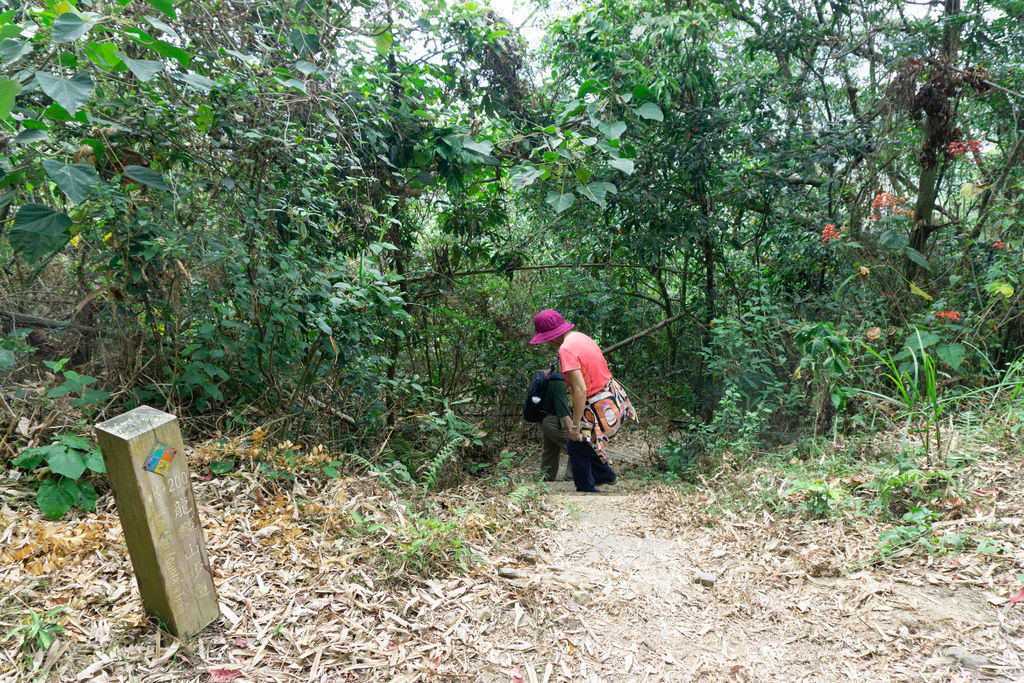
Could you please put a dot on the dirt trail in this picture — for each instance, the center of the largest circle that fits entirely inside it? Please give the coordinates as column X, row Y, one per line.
column 638, row 583
column 650, row 594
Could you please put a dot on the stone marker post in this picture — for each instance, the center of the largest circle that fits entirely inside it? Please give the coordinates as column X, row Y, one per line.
column 145, row 461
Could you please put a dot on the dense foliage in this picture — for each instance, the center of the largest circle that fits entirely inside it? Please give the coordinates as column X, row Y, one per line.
column 339, row 217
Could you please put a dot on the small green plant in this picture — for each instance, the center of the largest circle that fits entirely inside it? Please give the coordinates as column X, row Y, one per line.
column 433, row 469
column 222, row 466
column 86, row 397
column 907, row 486
column 363, row 526
column 916, row 528
column 911, row 368
column 818, row 496
column 827, row 353
column 60, row 483
column 12, row 344
column 36, row 631
column 524, row 493
column 680, row 457
column 506, row 459
column 427, row 546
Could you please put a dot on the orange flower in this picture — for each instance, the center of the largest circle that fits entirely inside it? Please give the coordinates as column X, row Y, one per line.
column 948, row 315
column 829, row 233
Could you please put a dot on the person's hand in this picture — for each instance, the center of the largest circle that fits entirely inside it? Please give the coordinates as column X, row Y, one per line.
column 574, row 434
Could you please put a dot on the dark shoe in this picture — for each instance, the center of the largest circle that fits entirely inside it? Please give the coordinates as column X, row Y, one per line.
column 607, row 483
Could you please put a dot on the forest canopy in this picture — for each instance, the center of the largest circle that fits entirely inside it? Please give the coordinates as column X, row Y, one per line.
column 340, row 217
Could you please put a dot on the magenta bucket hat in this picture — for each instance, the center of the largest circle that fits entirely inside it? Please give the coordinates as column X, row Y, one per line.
column 549, row 325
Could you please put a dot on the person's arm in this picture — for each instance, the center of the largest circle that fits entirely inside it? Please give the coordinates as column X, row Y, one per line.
column 579, row 400
column 559, row 393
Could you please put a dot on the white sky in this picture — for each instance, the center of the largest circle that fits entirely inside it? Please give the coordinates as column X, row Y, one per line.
column 525, row 16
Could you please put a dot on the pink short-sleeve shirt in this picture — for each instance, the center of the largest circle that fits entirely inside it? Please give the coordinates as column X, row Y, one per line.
column 580, row 352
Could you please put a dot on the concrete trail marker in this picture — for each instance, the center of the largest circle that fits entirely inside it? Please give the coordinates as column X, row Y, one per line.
column 145, row 461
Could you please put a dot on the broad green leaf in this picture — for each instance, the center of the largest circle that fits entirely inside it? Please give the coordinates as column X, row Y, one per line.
column 222, row 466
column 590, row 85
column 613, row 130
column 383, row 41
column 596, row 192
column 951, row 354
column 213, row 392
column 525, row 176
column 7, row 360
column 38, row 230
column 8, row 91
column 10, row 31
column 12, row 50
column 29, row 136
column 571, row 109
column 144, row 69
column 103, row 54
column 1000, row 287
column 83, row 493
column 651, row 111
column 161, row 26
column 921, row 340
column 624, row 165
column 76, row 181
column 68, row 27
column 583, row 174
column 161, row 47
column 482, row 147
column 292, row 83
column 305, row 44
column 73, row 441
column 198, row 82
column 918, row 258
column 30, row 458
column 53, row 501
column 894, row 239
column 70, row 94
column 57, row 392
column 59, row 113
column 165, row 6
column 242, row 57
column 66, row 461
column 146, row 176
column 560, row 202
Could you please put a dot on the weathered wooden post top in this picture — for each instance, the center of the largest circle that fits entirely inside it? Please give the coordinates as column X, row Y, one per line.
column 145, row 461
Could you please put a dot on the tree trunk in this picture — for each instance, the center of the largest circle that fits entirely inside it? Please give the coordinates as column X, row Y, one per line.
column 936, row 133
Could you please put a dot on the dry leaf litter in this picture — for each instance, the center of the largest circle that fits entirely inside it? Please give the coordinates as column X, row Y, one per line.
column 638, row 583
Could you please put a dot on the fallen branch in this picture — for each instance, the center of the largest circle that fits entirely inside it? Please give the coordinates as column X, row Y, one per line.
column 485, row 271
column 644, row 333
column 35, row 321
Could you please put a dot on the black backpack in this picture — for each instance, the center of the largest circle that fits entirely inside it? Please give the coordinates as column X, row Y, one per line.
column 532, row 411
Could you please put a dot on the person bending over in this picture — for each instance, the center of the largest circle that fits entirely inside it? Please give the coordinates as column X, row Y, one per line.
column 598, row 403
column 554, row 426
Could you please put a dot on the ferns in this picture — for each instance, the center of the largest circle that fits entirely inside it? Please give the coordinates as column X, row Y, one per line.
column 386, row 480
column 432, row 471
column 523, row 493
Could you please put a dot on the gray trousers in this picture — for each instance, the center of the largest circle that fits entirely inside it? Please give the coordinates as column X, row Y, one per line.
column 555, row 437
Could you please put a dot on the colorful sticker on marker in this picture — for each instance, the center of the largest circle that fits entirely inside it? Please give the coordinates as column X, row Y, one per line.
column 159, row 459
